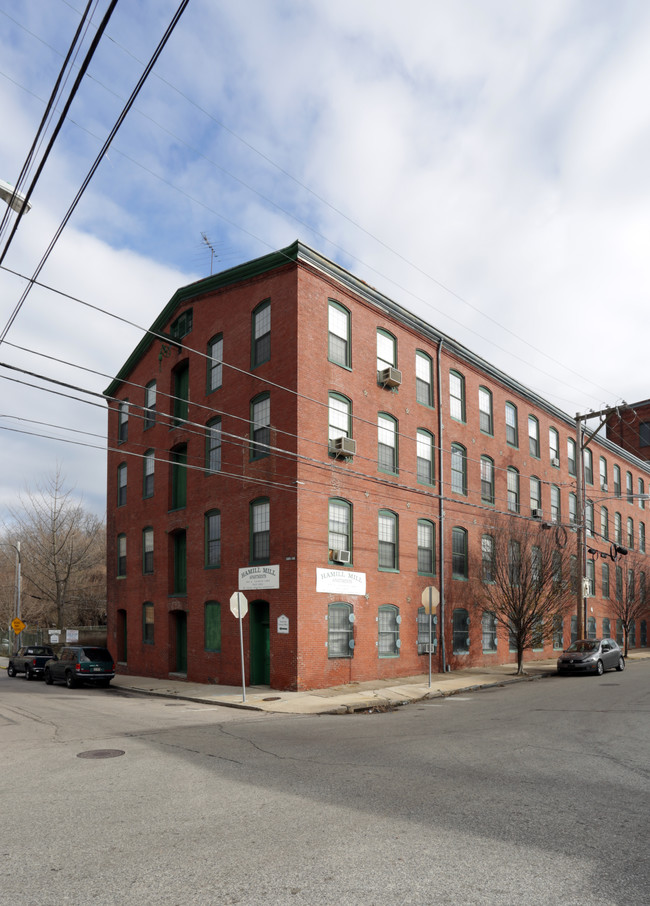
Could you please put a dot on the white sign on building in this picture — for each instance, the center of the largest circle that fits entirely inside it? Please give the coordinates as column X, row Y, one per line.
column 283, row 625
column 340, row 582
column 253, row 577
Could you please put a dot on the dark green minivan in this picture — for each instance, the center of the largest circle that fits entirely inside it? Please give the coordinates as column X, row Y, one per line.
column 81, row 664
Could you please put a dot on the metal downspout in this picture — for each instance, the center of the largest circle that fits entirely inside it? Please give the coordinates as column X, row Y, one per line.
column 441, row 520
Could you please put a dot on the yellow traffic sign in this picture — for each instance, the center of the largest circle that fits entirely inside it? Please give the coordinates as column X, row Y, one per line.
column 17, row 625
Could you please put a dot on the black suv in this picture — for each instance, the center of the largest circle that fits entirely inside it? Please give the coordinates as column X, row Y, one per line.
column 81, row 664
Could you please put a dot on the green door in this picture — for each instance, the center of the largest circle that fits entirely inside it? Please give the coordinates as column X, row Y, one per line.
column 181, row 642
column 260, row 661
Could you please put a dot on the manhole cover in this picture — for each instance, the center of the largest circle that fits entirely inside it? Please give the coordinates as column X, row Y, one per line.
column 272, row 698
column 101, row 753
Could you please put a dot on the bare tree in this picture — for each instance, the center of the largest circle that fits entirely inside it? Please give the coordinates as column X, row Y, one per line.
column 629, row 602
column 525, row 579
column 62, row 553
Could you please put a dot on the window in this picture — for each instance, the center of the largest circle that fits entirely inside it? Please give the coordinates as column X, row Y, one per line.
column 574, row 628
column 386, row 350
column 147, row 551
column 458, row 469
column 338, row 343
column 182, row 325
column 340, row 625
column 589, row 466
column 535, row 493
column 591, row 582
column 537, row 634
column 573, row 508
column 389, row 620
column 489, row 631
column 536, row 567
column 644, row 434
column 123, row 422
column 487, row 479
column 554, row 447
column 121, row 556
column 487, row 558
column 629, row 487
column 261, row 334
column 485, row 410
column 533, row 436
column 642, row 587
column 512, row 427
column 387, row 540
column 640, row 489
column 459, row 565
column 181, row 393
column 642, row 537
column 556, row 510
column 121, row 484
column 423, row 379
column 213, row 445
column 603, row 473
column 179, row 477
column 617, row 481
column 513, row 489
column 148, row 463
column 212, row 526
column 514, row 563
column 457, row 396
column 340, row 527
column 460, row 630
column 631, row 590
column 571, row 455
column 179, row 580
column 150, row 405
column 147, row 623
column 604, row 523
column 387, row 444
column 340, row 421
column 618, row 529
column 619, row 633
column 212, row 626
column 630, row 532
column 260, row 429
column 618, row 572
column 427, row 640
column 260, row 512
column 604, row 588
column 214, row 363
column 589, row 518
column 558, row 632
column 425, row 464
column 426, row 547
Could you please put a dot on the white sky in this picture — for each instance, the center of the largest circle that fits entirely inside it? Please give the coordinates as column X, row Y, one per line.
column 485, row 163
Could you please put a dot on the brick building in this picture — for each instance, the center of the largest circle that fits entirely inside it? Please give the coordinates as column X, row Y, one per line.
column 629, row 427
column 282, row 430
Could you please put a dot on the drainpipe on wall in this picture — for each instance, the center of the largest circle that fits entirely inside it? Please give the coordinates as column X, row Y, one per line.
column 441, row 521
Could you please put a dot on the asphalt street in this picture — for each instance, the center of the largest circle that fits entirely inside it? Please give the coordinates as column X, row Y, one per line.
column 532, row 793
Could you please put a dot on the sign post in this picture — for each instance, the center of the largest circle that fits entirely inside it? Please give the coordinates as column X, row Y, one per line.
column 430, row 601
column 239, row 608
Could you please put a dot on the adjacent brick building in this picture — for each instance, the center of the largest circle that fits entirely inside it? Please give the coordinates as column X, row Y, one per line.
column 282, row 430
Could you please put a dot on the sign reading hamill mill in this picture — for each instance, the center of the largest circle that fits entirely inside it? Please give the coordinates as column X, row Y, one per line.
column 252, row 577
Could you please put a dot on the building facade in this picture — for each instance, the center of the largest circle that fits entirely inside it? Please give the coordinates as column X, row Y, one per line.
column 286, row 431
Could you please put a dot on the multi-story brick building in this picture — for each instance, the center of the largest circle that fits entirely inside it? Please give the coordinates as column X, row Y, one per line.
column 629, row 427
column 282, row 430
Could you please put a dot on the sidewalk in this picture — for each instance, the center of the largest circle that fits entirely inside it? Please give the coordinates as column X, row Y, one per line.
column 377, row 695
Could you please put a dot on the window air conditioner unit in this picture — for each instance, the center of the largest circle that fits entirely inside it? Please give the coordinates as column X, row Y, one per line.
column 555, row 462
column 426, row 647
column 341, row 556
column 390, row 377
column 536, row 513
column 343, row 446
column 603, row 486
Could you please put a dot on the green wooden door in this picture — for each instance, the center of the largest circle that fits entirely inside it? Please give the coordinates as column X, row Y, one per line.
column 260, row 660
column 181, row 642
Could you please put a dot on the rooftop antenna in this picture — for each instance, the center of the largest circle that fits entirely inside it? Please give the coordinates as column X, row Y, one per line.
column 212, row 251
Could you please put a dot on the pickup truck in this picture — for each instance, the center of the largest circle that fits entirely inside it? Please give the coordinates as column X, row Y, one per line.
column 30, row 660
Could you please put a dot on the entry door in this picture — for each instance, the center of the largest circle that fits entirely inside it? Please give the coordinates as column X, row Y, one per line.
column 260, row 660
column 181, row 642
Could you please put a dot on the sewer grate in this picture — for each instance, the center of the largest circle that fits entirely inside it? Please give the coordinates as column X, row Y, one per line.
column 272, row 698
column 101, row 753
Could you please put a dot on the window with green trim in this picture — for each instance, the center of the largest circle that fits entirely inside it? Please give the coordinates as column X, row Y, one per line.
column 179, row 477
column 487, row 479
column 339, row 347
column 512, row 481
column 486, row 422
column 213, row 445
column 388, row 623
column 147, row 550
column 604, row 523
column 425, row 462
column 554, row 447
column 533, row 436
column 457, row 396
column 212, row 626
column 150, row 393
column 535, row 493
column 121, row 556
column 340, row 416
column 487, row 558
column 181, row 393
column 512, row 425
column 123, row 421
column 426, row 547
column 147, row 623
column 212, row 535
column 182, row 325
column 571, row 455
column 340, row 527
column 121, row 484
column 423, row 378
column 459, row 563
column 340, row 630
column 260, row 515
column 214, row 363
column 458, row 469
column 489, row 631
column 261, row 334
column 588, row 465
column 460, row 630
column 148, row 466
column 260, row 428
column 388, row 540
column 617, row 481
column 386, row 350
column 387, row 434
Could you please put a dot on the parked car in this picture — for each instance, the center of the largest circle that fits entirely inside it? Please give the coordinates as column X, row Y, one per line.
column 80, row 664
column 591, row 656
column 30, row 660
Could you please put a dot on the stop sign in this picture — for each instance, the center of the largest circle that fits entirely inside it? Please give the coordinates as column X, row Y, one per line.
column 239, row 604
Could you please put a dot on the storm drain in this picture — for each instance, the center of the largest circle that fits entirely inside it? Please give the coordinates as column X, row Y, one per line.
column 101, row 753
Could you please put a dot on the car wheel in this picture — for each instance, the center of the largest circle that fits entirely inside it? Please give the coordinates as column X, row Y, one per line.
column 621, row 664
column 28, row 674
column 11, row 670
column 70, row 680
column 599, row 668
column 48, row 678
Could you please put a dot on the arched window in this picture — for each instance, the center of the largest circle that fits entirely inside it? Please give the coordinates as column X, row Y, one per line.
column 340, row 626
column 260, row 535
column 212, row 539
column 387, row 434
column 261, row 334
column 147, row 551
column 388, row 540
column 425, row 460
column 147, row 622
column 489, row 631
column 423, row 378
column 260, row 427
column 214, row 366
column 512, row 426
column 487, row 479
column 340, row 416
column 513, row 489
column 486, row 422
column 340, row 530
column 148, row 466
column 460, row 631
column 533, row 436
column 213, row 445
column 426, row 548
column 458, row 469
column 459, row 565
column 339, row 346
column 389, row 620
column 457, row 396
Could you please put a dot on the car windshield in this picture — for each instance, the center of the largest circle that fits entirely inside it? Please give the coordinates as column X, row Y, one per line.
column 583, row 645
column 96, row 654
